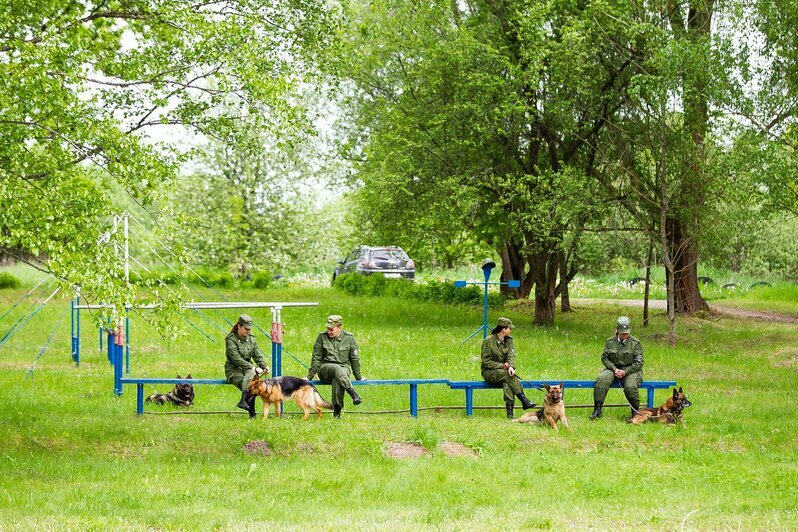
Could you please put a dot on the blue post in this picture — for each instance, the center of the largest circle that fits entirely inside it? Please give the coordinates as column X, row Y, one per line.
column 127, row 344
column 140, row 398
column 414, row 400
column 77, row 333
column 118, row 369
column 486, row 270
column 110, row 346
column 72, row 323
column 487, row 267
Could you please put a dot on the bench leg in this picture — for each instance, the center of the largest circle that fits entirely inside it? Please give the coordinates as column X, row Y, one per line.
column 414, row 400
column 651, row 397
column 139, row 398
column 469, row 401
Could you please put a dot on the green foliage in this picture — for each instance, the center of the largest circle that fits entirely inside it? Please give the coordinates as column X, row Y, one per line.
column 85, row 83
column 261, row 279
column 8, row 280
column 436, row 291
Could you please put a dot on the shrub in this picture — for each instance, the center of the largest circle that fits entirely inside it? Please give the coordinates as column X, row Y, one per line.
column 261, row 279
column 438, row 291
column 8, row 281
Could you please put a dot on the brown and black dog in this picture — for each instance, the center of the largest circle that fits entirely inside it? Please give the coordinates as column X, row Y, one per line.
column 181, row 395
column 278, row 389
column 669, row 413
column 553, row 409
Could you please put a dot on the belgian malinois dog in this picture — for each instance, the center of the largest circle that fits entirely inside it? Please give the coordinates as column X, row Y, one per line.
column 669, row 413
column 274, row 391
column 553, row 409
column 181, row 395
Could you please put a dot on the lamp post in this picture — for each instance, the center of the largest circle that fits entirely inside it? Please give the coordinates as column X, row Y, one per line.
column 487, row 268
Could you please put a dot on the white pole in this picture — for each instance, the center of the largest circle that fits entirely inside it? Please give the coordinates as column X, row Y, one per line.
column 127, row 251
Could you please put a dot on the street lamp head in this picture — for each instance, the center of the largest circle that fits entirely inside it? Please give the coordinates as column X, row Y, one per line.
column 488, row 264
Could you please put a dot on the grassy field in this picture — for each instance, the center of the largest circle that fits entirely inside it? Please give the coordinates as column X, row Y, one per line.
column 75, row 457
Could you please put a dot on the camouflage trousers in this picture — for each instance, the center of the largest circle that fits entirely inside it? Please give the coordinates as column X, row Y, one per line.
column 338, row 377
column 511, row 385
column 630, row 382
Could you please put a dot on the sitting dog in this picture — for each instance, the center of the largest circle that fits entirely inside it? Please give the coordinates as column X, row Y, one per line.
column 669, row 413
column 273, row 391
column 181, row 395
column 553, row 409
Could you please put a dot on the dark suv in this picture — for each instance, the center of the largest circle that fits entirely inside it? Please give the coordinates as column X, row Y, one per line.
column 392, row 262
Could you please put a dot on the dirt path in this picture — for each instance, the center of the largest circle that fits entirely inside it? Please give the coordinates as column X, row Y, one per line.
column 660, row 304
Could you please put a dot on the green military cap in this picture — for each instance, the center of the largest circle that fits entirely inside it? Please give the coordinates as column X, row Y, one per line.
column 505, row 322
column 623, row 324
column 334, row 320
column 245, row 320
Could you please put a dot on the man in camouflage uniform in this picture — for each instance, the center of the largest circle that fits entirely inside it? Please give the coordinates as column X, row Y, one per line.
column 334, row 354
column 498, row 365
column 623, row 360
column 244, row 361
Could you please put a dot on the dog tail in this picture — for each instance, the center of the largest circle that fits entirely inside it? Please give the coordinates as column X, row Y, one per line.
column 320, row 400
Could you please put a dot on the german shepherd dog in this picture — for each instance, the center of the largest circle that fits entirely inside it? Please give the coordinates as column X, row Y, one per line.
column 181, row 395
column 278, row 389
column 669, row 413
column 553, row 409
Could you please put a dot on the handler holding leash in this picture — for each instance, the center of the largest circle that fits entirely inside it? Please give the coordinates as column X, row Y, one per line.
column 335, row 352
column 623, row 360
column 244, row 361
column 498, row 365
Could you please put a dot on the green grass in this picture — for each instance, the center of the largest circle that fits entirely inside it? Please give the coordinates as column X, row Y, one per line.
column 74, row 456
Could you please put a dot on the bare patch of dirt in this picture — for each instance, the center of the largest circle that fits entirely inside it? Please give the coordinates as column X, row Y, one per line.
column 303, row 447
column 404, row 450
column 258, row 447
column 755, row 314
column 786, row 358
column 457, row 449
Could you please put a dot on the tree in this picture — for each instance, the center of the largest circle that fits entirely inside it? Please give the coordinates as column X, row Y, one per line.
column 484, row 116
column 82, row 81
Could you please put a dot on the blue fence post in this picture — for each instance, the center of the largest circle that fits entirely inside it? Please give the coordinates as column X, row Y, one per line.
column 118, row 343
column 110, row 346
column 72, row 324
column 127, row 344
column 414, row 400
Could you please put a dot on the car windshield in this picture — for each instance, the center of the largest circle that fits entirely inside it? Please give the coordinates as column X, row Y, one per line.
column 395, row 254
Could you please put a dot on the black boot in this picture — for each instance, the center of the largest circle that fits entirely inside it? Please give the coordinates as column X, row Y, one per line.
column 525, row 404
column 356, row 400
column 509, row 407
column 245, row 399
column 337, row 412
column 596, row 410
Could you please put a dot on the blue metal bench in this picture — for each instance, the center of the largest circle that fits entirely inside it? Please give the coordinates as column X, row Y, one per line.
column 470, row 386
column 413, row 388
column 141, row 381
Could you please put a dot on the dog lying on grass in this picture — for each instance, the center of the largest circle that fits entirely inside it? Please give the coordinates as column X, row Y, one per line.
column 669, row 413
column 553, row 409
column 274, row 391
column 181, row 395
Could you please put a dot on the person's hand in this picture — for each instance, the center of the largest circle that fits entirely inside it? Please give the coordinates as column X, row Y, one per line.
column 619, row 373
column 511, row 371
column 506, row 365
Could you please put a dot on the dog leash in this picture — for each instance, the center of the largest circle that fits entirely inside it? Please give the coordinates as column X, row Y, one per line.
column 523, row 379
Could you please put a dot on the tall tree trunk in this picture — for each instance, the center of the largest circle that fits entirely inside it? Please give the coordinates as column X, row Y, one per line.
column 565, row 299
column 648, row 281
column 513, row 266
column 686, row 296
column 543, row 267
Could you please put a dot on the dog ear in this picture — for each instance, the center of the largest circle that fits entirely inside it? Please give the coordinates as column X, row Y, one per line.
column 178, row 376
column 189, row 376
column 547, row 387
column 680, row 389
column 562, row 386
column 675, row 393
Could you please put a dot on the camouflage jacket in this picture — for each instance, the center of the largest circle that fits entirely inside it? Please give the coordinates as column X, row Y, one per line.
column 627, row 356
column 341, row 350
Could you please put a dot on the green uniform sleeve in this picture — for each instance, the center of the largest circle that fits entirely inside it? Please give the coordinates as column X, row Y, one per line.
column 488, row 360
column 234, row 356
column 315, row 362
column 637, row 361
column 354, row 359
column 257, row 354
column 605, row 357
